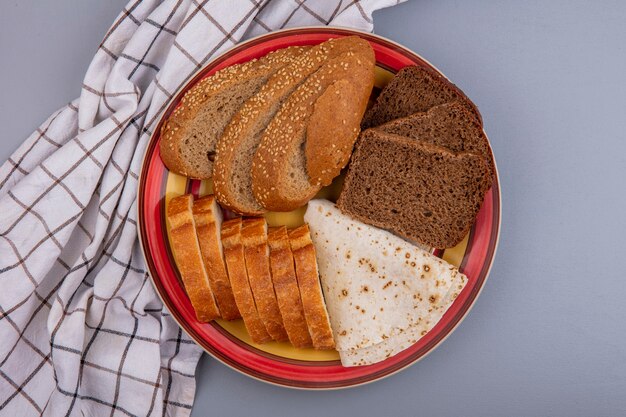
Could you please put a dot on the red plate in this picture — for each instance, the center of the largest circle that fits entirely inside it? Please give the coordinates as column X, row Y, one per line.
column 279, row 363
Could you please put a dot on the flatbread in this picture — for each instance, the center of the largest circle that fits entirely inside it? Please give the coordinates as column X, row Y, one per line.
column 396, row 344
column 382, row 293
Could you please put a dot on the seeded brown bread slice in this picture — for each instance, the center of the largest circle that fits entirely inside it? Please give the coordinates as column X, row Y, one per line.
column 280, row 181
column 286, row 287
column 208, row 218
column 256, row 253
column 189, row 136
column 188, row 259
column 237, row 146
column 334, row 127
column 448, row 125
column 236, row 265
column 310, row 288
column 414, row 89
column 420, row 191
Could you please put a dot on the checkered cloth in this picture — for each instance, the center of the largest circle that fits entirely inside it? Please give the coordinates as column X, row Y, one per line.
column 82, row 331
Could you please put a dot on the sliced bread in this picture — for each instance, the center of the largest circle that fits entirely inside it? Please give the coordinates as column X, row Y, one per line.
column 420, row 191
column 280, row 178
column 310, row 289
column 286, row 287
column 189, row 136
column 182, row 233
column 256, row 254
column 448, row 125
column 414, row 89
column 236, row 265
column 237, row 146
column 208, row 218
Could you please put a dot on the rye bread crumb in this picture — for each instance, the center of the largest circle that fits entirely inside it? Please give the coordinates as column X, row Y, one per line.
column 420, row 191
column 450, row 125
column 414, row 89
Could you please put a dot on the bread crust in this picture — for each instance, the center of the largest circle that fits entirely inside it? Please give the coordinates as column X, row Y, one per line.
column 208, row 219
column 188, row 259
column 474, row 141
column 173, row 131
column 250, row 119
column 272, row 183
column 235, row 263
column 286, row 287
column 334, row 127
column 256, row 254
column 310, row 288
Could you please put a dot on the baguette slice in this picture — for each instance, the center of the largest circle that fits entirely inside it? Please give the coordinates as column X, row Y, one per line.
column 189, row 136
column 414, row 89
column 420, row 191
column 236, row 148
column 280, row 181
column 208, row 218
column 449, row 125
column 310, row 288
column 235, row 262
column 286, row 287
column 256, row 254
column 188, row 259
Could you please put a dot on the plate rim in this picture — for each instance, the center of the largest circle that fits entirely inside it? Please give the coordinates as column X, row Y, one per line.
column 140, row 184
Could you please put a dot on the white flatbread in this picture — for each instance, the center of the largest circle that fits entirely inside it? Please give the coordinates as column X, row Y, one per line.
column 382, row 293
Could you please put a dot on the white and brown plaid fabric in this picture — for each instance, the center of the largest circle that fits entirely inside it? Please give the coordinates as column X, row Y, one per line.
column 82, row 331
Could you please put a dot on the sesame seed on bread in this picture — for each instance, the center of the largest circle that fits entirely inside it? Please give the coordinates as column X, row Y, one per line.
column 280, row 178
column 189, row 136
column 238, row 144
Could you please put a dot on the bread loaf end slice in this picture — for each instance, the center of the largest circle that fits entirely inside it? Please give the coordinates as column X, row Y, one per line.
column 182, row 233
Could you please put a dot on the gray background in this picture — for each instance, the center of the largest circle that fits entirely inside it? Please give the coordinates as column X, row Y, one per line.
column 547, row 337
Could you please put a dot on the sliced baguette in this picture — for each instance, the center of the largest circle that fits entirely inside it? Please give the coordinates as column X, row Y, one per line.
column 286, row 287
column 450, row 125
column 414, row 89
column 188, row 259
column 237, row 146
column 189, row 136
column 236, row 265
column 208, row 218
column 256, row 254
column 420, row 191
column 280, row 181
column 310, row 288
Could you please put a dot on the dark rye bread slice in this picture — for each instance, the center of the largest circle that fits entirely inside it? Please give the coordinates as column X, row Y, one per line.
column 448, row 125
column 189, row 136
column 236, row 147
column 420, row 191
column 280, row 178
column 414, row 89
